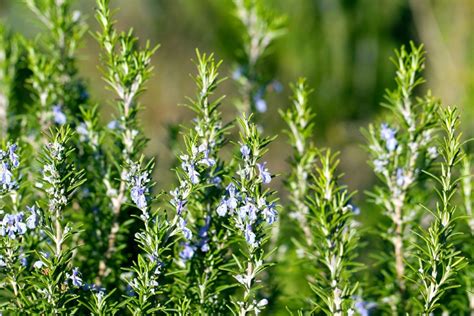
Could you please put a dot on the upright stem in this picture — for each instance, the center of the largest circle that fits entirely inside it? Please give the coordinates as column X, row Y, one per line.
column 59, row 237
column 117, row 205
column 398, row 243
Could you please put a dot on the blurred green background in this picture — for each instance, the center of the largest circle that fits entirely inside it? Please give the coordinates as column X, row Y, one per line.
column 342, row 47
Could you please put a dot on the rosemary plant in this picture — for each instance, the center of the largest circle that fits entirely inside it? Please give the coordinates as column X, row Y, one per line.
column 126, row 70
column 81, row 230
column 398, row 151
column 300, row 131
column 439, row 260
column 54, row 276
column 203, row 252
column 251, row 208
column 332, row 252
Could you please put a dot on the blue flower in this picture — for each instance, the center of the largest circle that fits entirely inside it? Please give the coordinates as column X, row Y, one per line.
column 229, row 204
column 203, row 236
column 187, row 252
column 138, row 196
column 237, row 73
column 13, row 156
column 59, row 116
column 190, row 169
column 362, row 307
column 205, row 247
column 245, row 151
column 33, row 219
column 187, row 233
column 177, row 202
column 114, row 124
column 432, row 152
column 269, row 213
column 232, row 200
column 23, row 260
column 12, row 225
column 401, row 178
column 261, row 105
column 209, row 162
column 6, row 176
column 222, row 208
column 38, row 264
column 264, row 174
column 379, row 165
column 250, row 236
column 388, row 135
column 75, row 277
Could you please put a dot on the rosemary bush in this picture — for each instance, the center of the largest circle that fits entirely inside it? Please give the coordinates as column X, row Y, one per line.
column 85, row 229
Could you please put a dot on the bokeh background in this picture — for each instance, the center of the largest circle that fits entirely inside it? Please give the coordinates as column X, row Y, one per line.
column 342, row 46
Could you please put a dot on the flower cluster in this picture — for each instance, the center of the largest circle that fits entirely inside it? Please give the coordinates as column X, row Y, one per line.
column 138, row 182
column 9, row 161
column 250, row 208
column 199, row 164
column 247, row 212
column 15, row 225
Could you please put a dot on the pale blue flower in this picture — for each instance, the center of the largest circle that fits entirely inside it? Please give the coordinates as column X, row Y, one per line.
column 379, row 165
column 6, row 176
column 12, row 225
column 38, row 264
column 187, row 252
column 245, row 151
column 362, row 307
column 114, row 124
column 237, row 73
column 179, row 204
column 216, row 180
column 59, row 116
column 14, row 159
column 265, row 176
column 33, row 219
column 138, row 196
column 269, row 213
column 187, row 233
column 401, row 178
column 277, row 86
column 190, row 169
column 207, row 161
column 261, row 105
column 250, row 236
column 23, row 259
column 222, row 208
column 75, row 277
column 82, row 131
column 388, row 135
column 205, row 247
column 232, row 200
column 433, row 152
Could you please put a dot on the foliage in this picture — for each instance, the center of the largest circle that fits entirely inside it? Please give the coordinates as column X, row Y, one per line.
column 85, row 229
